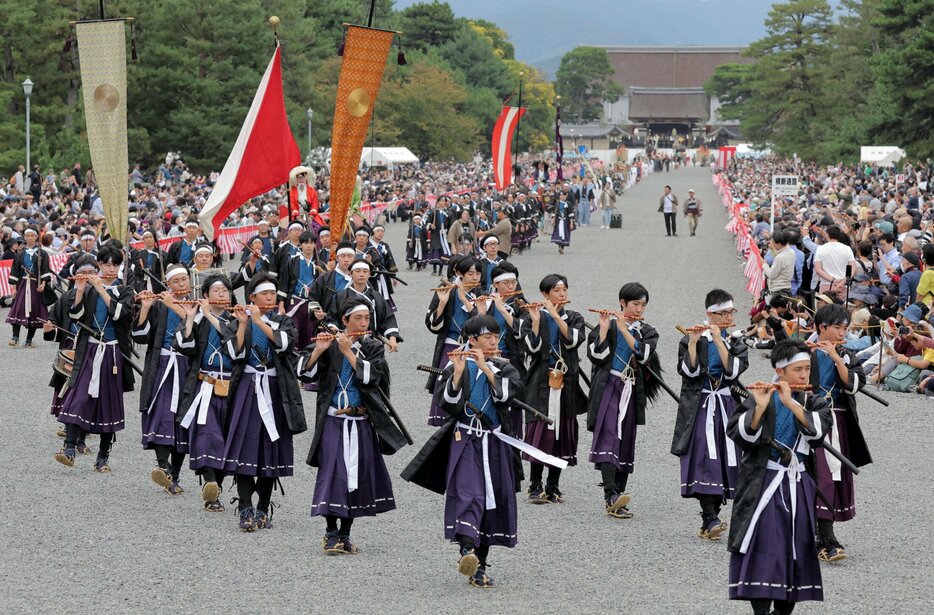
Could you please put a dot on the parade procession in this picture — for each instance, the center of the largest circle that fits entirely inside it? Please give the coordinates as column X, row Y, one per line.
column 400, row 317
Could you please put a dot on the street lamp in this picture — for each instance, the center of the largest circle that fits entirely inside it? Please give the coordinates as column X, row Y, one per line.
column 310, row 113
column 27, row 90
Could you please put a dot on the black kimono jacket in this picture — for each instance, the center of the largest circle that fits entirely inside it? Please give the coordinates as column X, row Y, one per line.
column 382, row 318
column 371, row 372
column 288, row 277
column 151, row 335
column 40, row 272
column 121, row 313
column 429, row 468
column 194, row 346
column 58, row 314
column 756, row 448
column 536, row 391
column 282, row 361
column 325, row 293
column 856, row 448
column 601, row 357
column 139, row 262
column 440, row 327
column 694, row 381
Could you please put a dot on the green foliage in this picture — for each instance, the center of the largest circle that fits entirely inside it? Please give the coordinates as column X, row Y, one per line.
column 200, row 63
column 428, row 24
column 822, row 89
column 584, row 82
column 904, row 72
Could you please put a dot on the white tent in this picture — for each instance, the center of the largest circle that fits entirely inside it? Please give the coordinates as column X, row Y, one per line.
column 387, row 156
column 883, row 155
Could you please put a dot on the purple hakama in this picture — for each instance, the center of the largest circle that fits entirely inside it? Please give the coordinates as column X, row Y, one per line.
column 701, row 475
column 249, row 450
column 607, row 446
column 562, row 233
column 31, row 315
column 770, row 569
column 840, row 493
column 542, row 437
column 206, row 442
column 305, row 323
column 159, row 424
column 465, row 511
column 373, row 494
column 104, row 413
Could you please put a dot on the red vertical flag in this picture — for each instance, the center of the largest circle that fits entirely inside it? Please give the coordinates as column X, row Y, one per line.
column 502, row 145
column 262, row 157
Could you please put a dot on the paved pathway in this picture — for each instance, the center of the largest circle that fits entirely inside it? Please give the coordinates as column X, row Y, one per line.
column 76, row 540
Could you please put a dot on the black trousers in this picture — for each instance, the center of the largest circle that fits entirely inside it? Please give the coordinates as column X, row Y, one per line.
column 671, row 223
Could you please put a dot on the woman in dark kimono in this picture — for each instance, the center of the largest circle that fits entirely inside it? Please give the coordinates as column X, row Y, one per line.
column 94, row 403
column 449, row 309
column 563, row 217
column 353, row 429
column 620, row 387
column 552, row 336
column 207, row 385
column 30, row 276
column 773, row 552
column 710, row 362
column 264, row 405
column 416, row 245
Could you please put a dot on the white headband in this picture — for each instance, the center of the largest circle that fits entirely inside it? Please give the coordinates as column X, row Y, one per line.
column 360, row 265
column 86, row 268
column 349, row 251
column 504, row 276
column 88, row 236
column 261, row 288
column 323, row 232
column 149, row 232
column 378, row 226
column 490, row 238
column 216, row 282
column 297, row 225
column 362, row 231
column 720, row 307
column 355, row 309
column 192, row 223
column 174, row 271
column 204, row 249
column 801, row 356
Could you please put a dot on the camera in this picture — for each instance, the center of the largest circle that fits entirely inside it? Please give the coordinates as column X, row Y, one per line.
column 903, row 330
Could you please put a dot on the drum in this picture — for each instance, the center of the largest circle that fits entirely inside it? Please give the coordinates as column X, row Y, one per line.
column 64, row 362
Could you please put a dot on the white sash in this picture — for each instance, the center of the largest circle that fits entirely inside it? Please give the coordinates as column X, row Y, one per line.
column 170, row 367
column 624, row 398
column 351, row 440
column 264, row 398
column 714, row 400
column 793, row 472
column 475, row 429
column 94, row 388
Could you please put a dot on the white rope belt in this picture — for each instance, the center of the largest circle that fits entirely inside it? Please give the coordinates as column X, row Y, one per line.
column 170, row 368
column 834, row 464
column 201, row 402
column 475, row 428
column 627, row 376
column 351, row 438
column 264, row 398
column 94, row 388
column 793, row 472
column 715, row 401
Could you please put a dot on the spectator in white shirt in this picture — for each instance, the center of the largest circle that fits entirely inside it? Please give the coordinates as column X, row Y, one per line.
column 832, row 259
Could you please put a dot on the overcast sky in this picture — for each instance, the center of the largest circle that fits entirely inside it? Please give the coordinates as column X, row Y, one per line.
column 543, row 30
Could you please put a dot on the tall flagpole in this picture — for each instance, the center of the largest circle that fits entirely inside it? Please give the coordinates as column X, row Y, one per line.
column 518, row 122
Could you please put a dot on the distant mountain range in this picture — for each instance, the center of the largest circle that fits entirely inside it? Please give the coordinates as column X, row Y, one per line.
column 544, row 30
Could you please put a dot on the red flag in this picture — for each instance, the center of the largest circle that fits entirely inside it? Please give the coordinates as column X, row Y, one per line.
column 502, row 145
column 262, row 157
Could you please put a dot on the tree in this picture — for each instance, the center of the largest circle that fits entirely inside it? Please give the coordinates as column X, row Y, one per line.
column 787, row 80
column 426, row 105
column 584, row 82
column 428, row 24
column 730, row 85
column 904, row 76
